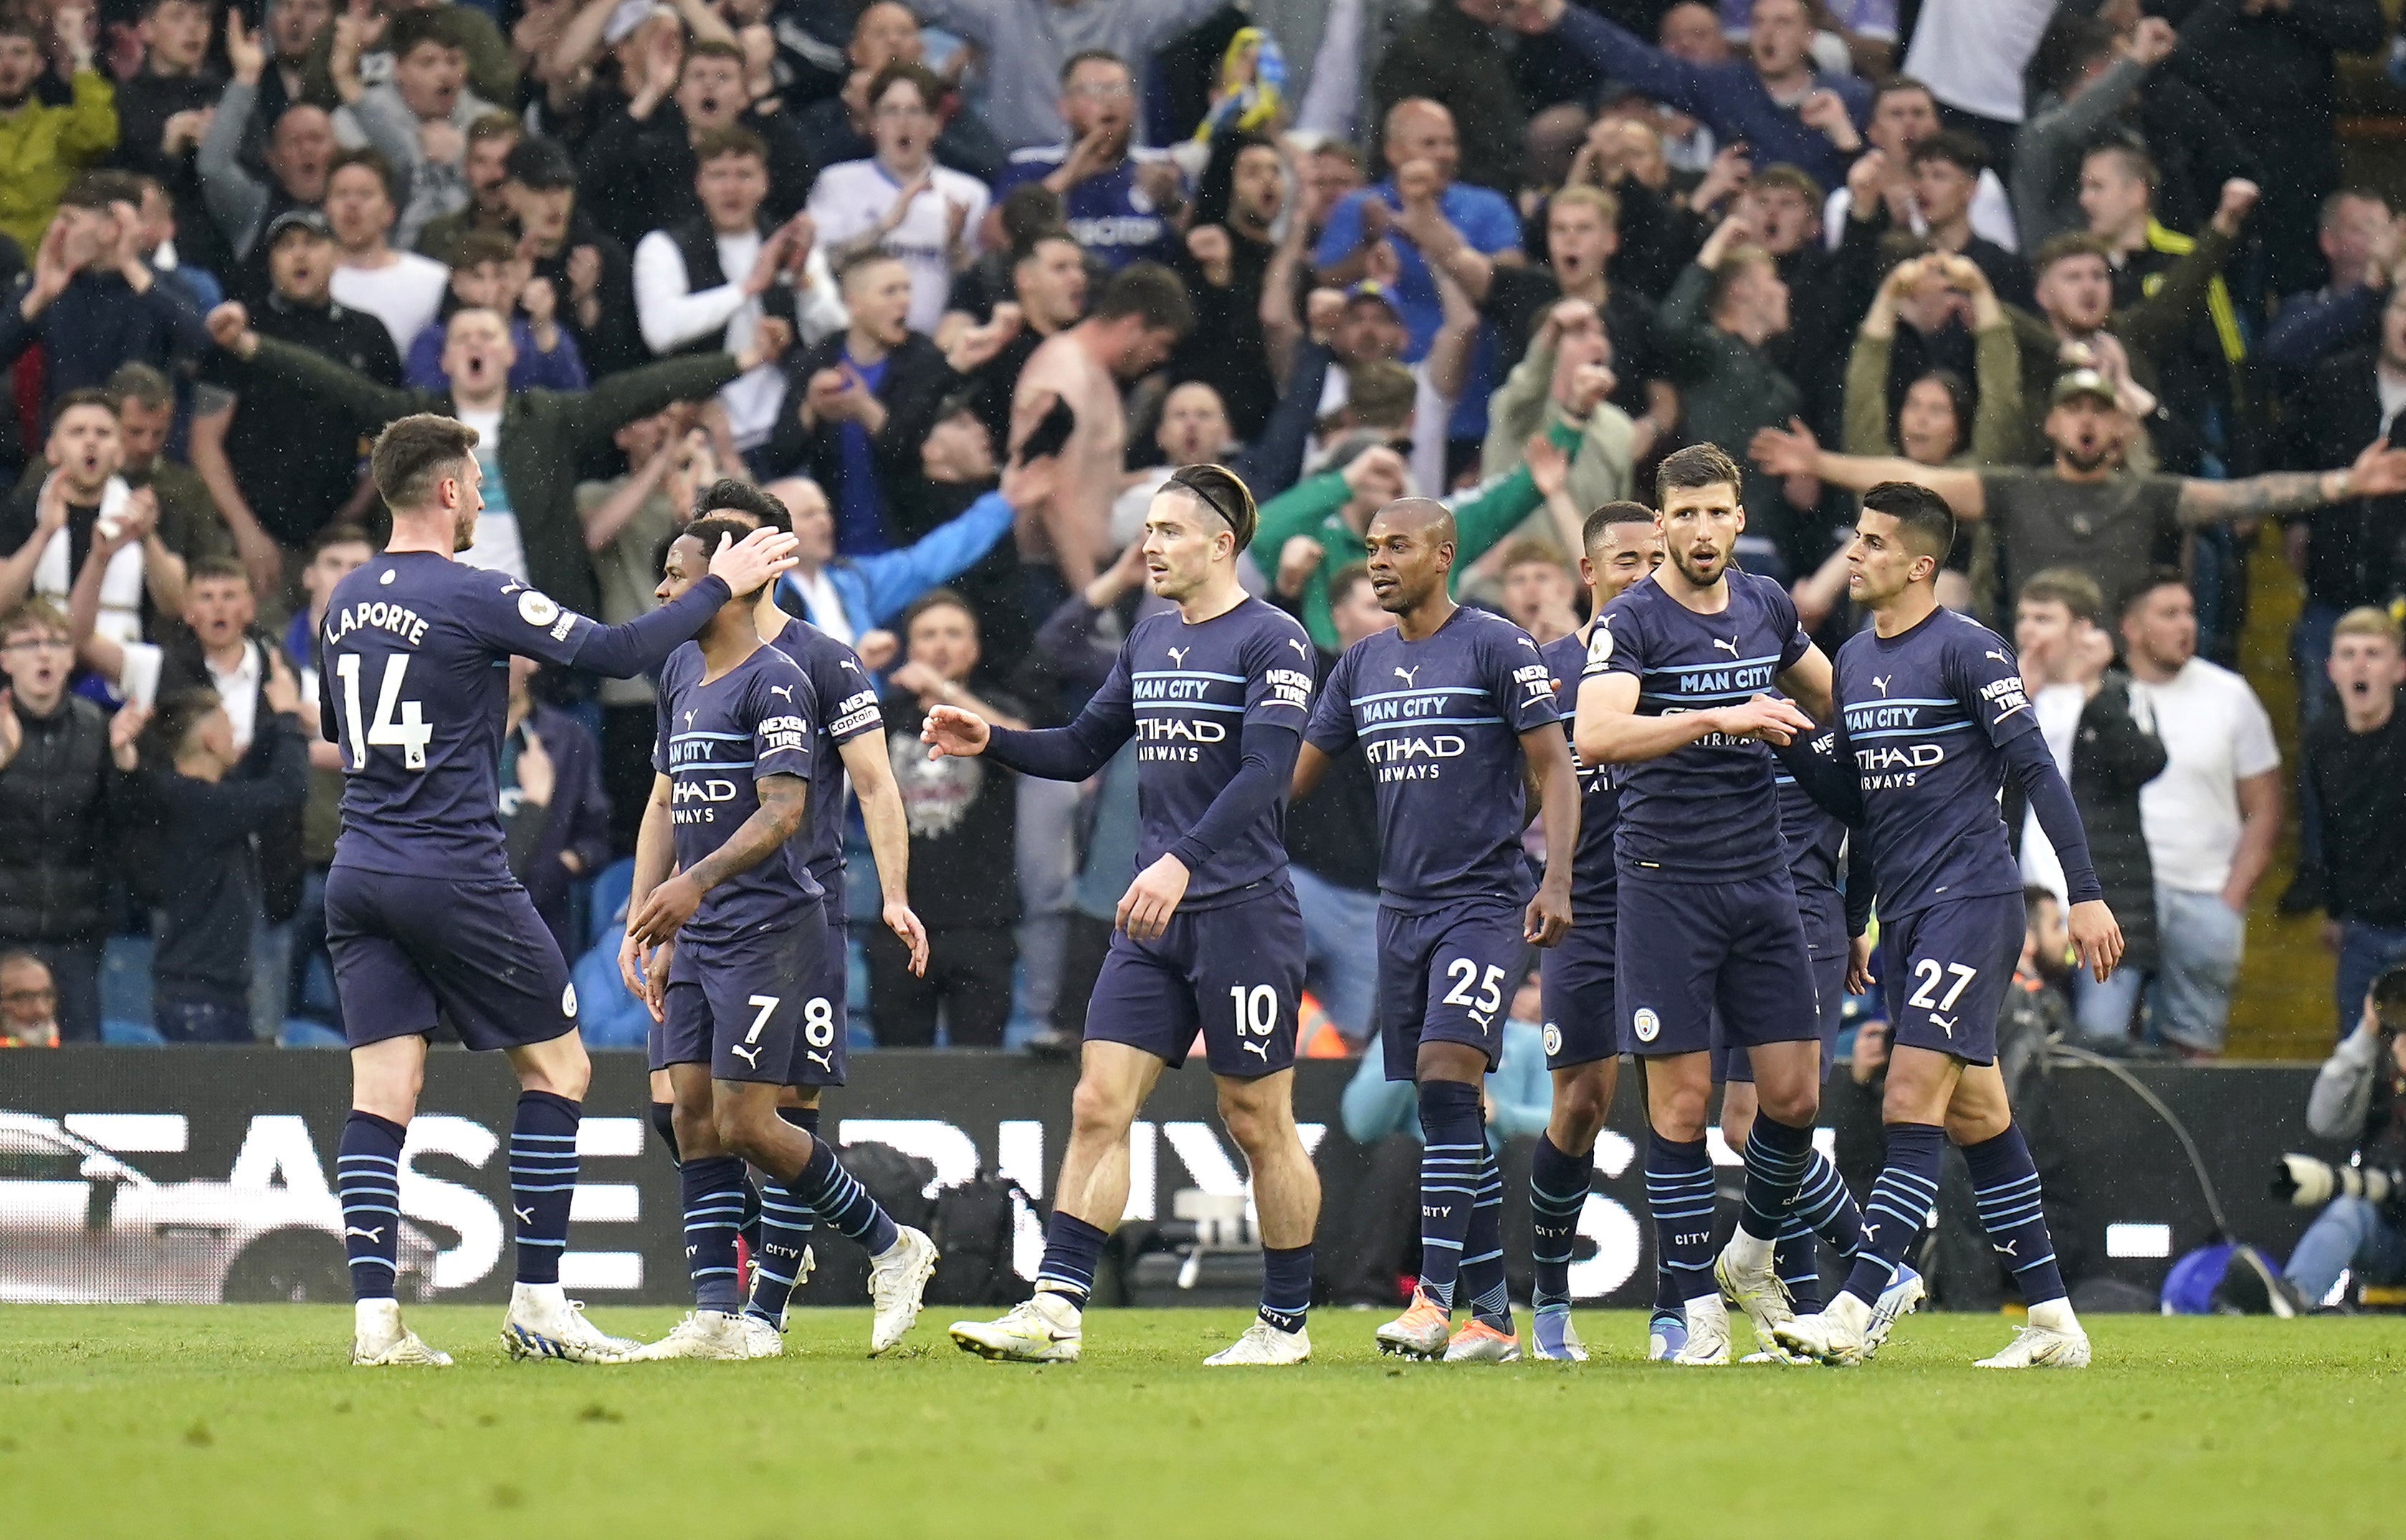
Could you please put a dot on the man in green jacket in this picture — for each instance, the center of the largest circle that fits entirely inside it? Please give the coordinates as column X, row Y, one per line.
column 531, row 441
column 42, row 147
column 1330, row 512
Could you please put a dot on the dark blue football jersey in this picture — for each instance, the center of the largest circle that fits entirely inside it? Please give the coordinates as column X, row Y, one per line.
column 716, row 738
column 1924, row 712
column 1815, row 839
column 847, row 708
column 1595, row 886
column 1185, row 693
column 1441, row 720
column 413, row 686
column 1706, row 812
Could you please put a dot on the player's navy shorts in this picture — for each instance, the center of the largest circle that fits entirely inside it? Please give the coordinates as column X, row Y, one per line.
column 405, row 948
column 1825, row 943
column 1686, row 950
column 1574, row 976
column 737, row 1005
column 823, row 984
column 1234, row 972
column 1447, row 975
column 1943, row 971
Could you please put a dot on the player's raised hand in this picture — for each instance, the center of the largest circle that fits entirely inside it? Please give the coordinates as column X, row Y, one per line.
column 1764, row 717
column 2097, row 937
column 746, row 564
column 1146, row 907
column 949, row 729
column 1791, row 451
column 664, row 910
column 904, row 922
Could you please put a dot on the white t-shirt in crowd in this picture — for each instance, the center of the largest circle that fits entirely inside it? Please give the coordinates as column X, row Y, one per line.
column 2215, row 735
column 406, row 294
column 1971, row 53
column 500, row 548
column 2058, row 708
column 851, row 196
column 1429, row 406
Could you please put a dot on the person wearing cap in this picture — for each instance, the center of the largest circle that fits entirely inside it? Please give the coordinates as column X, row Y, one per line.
column 589, row 270
column 280, row 459
column 2089, row 509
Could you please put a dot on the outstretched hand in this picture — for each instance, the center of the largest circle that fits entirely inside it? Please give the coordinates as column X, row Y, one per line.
column 747, row 564
column 1791, row 451
column 1765, row 718
column 950, row 729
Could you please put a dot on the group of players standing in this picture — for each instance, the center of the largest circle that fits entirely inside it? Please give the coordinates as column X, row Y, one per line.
column 1692, row 909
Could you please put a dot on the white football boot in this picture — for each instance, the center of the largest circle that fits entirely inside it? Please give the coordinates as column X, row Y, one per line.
column 380, row 1341
column 1902, row 1297
column 1262, row 1344
column 897, row 1277
column 705, row 1333
column 543, row 1322
column 2052, row 1340
column 1708, row 1336
column 1041, row 1329
column 1756, row 1290
column 1835, row 1336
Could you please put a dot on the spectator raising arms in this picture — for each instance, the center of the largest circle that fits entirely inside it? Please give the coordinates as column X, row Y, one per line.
column 42, row 146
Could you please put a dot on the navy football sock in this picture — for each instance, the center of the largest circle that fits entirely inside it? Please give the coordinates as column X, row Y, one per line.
column 1795, row 1260
column 1776, row 1156
column 1286, row 1286
column 1073, row 1249
column 367, row 1174
column 2005, row 1185
column 542, row 1180
column 825, row 1186
column 1558, row 1189
column 750, row 1228
column 713, row 1212
column 1482, row 1249
column 1827, row 1209
column 1454, row 1149
column 664, row 1125
column 1666, row 1288
column 777, row 1232
column 1899, row 1208
column 1679, row 1194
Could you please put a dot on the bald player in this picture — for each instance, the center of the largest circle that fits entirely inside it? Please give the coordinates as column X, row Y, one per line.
column 1455, row 709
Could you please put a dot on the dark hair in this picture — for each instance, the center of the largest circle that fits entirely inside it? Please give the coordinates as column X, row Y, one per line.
column 1956, row 148
column 340, row 533
column 1224, row 492
column 140, row 382
column 1151, row 290
column 2135, row 163
column 374, row 160
column 934, row 598
column 1735, row 264
column 86, row 395
column 734, row 139
column 1795, row 178
column 1896, row 83
column 413, row 29
column 932, row 91
column 2035, row 895
column 2069, row 587
column 2135, row 592
column 860, row 261
column 539, row 165
column 727, row 495
column 1346, row 578
column 1697, row 465
column 225, row 567
column 1030, row 212
column 18, row 24
column 2070, row 44
column 2071, row 244
column 415, row 452
column 707, row 532
column 99, row 189
column 483, row 246
column 1609, row 516
column 1928, row 522
column 2388, row 997
column 1088, row 56
column 172, row 721
column 711, row 48
column 1959, row 397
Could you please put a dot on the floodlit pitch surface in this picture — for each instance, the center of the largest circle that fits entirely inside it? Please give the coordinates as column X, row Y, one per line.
column 178, row 1421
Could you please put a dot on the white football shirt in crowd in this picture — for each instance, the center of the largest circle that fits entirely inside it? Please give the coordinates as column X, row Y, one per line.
column 851, row 196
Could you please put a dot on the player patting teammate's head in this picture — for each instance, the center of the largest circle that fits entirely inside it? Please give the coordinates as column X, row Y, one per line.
column 1620, row 544
column 1902, row 539
column 425, row 468
column 1199, row 521
column 1697, row 488
column 1411, row 542
column 687, row 561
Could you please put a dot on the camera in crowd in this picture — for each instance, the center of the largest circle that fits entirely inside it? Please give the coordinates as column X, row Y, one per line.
column 2310, row 1183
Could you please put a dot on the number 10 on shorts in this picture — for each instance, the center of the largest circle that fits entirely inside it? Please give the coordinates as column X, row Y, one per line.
column 1256, row 1013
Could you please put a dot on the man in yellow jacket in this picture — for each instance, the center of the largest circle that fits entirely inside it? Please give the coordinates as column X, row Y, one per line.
column 42, row 147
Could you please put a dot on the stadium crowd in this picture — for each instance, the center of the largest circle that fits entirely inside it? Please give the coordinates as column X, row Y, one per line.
column 2090, row 270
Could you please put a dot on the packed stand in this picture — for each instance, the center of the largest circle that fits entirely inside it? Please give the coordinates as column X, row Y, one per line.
column 2091, row 271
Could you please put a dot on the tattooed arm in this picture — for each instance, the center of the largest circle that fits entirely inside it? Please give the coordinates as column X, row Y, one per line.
column 671, row 904
column 2377, row 473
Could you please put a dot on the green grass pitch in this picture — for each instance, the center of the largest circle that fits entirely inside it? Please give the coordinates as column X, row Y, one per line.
column 167, row 1423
